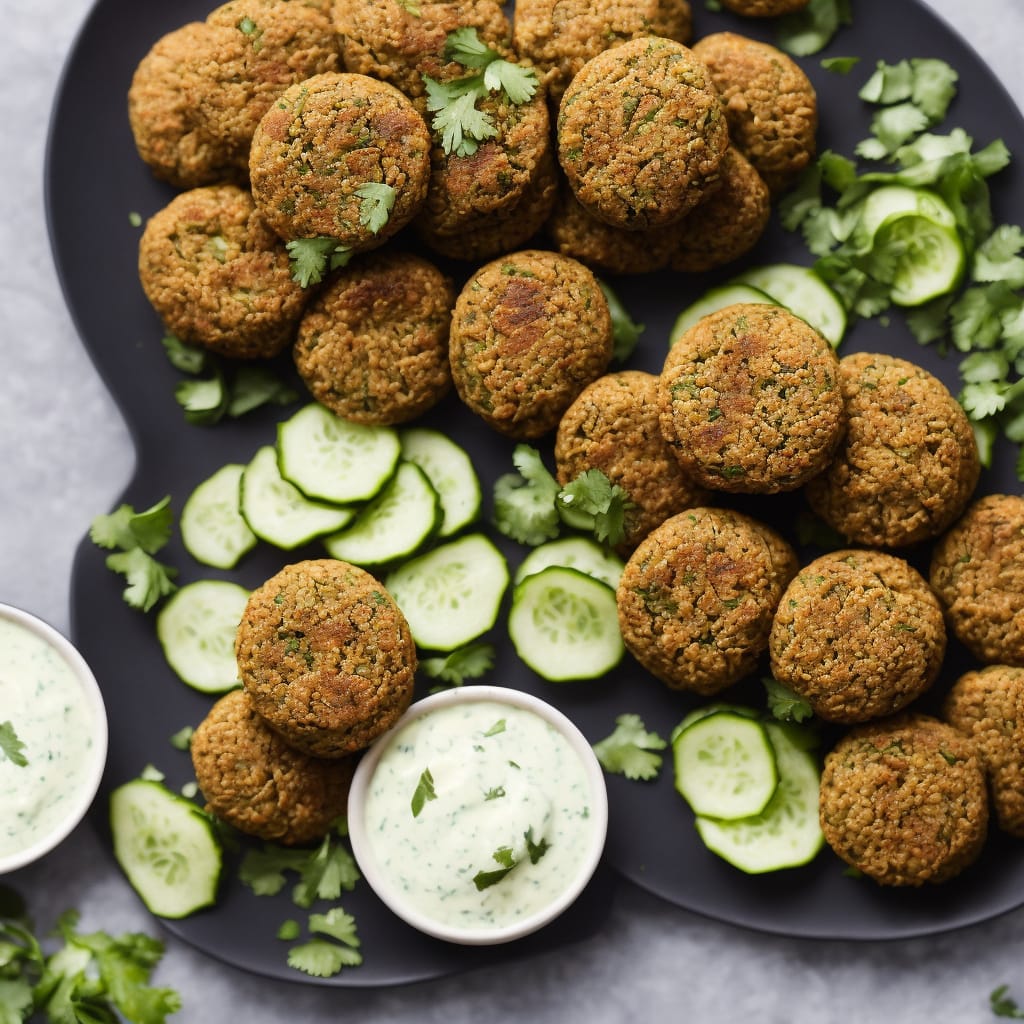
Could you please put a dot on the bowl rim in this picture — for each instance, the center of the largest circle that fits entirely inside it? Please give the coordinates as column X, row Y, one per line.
column 378, row 881
column 92, row 771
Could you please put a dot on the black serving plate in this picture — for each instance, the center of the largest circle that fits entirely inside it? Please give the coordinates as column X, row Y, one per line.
column 95, row 179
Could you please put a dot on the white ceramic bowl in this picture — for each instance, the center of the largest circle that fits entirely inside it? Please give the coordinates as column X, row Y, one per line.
column 80, row 788
column 382, row 881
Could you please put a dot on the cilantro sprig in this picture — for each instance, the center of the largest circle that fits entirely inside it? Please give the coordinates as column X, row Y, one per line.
column 460, row 126
column 505, row 857
column 784, row 704
column 321, row 958
column 323, row 873
column 138, row 535
column 10, row 746
column 631, row 750
column 471, row 661
column 312, row 258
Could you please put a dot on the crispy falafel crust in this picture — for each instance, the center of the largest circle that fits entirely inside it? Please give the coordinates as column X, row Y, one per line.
column 327, row 656
column 218, row 276
column 697, row 596
column 257, row 783
column 750, row 400
column 908, row 462
column 613, row 426
column 903, row 800
column 641, row 133
column 326, row 138
column 988, row 706
column 977, row 569
column 530, row 331
column 858, row 634
column 373, row 346
column 770, row 105
column 559, row 36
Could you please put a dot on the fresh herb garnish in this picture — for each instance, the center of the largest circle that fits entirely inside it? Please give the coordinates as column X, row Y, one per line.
column 1003, row 1004
column 591, row 499
column 289, row 930
column 10, row 746
column 467, row 662
column 135, row 218
column 629, row 750
column 139, row 535
column 323, row 959
column 378, row 199
column 505, row 857
column 625, row 331
column 424, row 791
column 312, row 258
column 811, row 29
column 495, row 793
column 784, row 704
column 324, row 873
column 498, row 727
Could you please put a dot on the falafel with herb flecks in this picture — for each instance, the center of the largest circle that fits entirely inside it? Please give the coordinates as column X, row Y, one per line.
column 858, row 634
column 326, row 656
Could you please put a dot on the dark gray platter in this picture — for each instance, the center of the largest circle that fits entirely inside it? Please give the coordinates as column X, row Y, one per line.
column 94, row 179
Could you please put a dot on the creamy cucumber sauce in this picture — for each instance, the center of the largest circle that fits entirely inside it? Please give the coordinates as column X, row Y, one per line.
column 500, row 780
column 41, row 697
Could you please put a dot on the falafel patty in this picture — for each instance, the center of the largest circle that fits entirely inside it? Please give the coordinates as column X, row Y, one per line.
column 858, row 634
column 696, row 597
column 327, row 656
column 373, row 347
column 257, row 783
column 340, row 156
column 988, row 706
column 770, row 105
column 641, row 133
column 977, row 570
column 530, row 331
column 908, row 462
column 218, row 276
column 903, row 800
column 559, row 36
column 750, row 400
column 613, row 426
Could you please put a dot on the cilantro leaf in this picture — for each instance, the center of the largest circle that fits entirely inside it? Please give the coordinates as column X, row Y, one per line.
column 497, row 728
column 423, row 793
column 456, row 119
column 263, row 870
column 890, row 83
column 323, row 873
column 312, row 258
column 785, row 705
column 148, row 580
column 253, row 386
column 322, row 959
column 629, row 749
column 1003, row 1004
column 535, row 849
column 378, row 200
column 465, row 46
column 470, row 661
column 524, row 502
column 503, row 856
column 125, row 528
column 518, row 83
column 625, row 331
column 289, row 930
column 592, row 499
column 839, row 65
column 998, row 257
column 337, row 924
column 10, row 746
column 811, row 29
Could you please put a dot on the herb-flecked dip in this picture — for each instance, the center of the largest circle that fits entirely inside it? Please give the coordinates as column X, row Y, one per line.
column 43, row 706
column 479, row 814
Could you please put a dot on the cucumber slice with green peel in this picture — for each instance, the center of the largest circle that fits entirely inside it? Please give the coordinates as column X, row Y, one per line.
column 394, row 525
column 213, row 529
column 787, row 833
column 725, row 766
column 803, row 293
column 278, row 512
column 196, row 629
column 451, row 594
column 573, row 553
column 927, row 258
column 166, row 846
column 711, row 302
column 564, row 625
column 896, row 200
column 331, row 459
column 450, row 470
column 710, row 709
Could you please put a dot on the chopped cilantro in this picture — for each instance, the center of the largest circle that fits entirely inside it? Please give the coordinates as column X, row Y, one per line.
column 811, row 29
column 135, row 218
column 517, row 82
column 592, row 498
column 524, row 502
column 152, row 774
column 312, row 258
column 784, row 704
column 10, row 746
column 1003, row 1004
column 468, row 49
column 625, row 331
column 323, row 872
column 498, row 727
column 378, row 199
column 423, row 793
column 254, row 386
column 289, row 930
column 535, row 849
column 494, row 793
column 504, row 856
column 839, row 65
column 322, row 959
column 470, row 661
column 187, row 358
column 629, row 750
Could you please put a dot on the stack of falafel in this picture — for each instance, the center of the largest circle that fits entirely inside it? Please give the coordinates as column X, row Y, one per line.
column 281, row 119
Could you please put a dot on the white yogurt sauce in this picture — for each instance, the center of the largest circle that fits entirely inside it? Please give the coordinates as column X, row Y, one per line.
column 499, row 772
column 41, row 697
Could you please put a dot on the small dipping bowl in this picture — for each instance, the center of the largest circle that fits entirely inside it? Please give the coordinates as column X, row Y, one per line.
column 51, row 699
column 480, row 817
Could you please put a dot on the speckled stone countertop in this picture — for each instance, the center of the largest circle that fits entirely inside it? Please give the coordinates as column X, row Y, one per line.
column 66, row 455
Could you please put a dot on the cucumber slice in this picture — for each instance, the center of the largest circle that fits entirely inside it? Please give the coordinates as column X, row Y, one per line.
column 725, row 766
column 278, row 512
column 334, row 460
column 452, row 594
column 786, row 833
column 564, row 625
column 450, row 471
column 710, row 709
column 166, row 846
column 803, row 293
column 891, row 200
column 580, row 553
column 711, row 302
column 213, row 529
column 196, row 629
column 928, row 258
column 397, row 523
